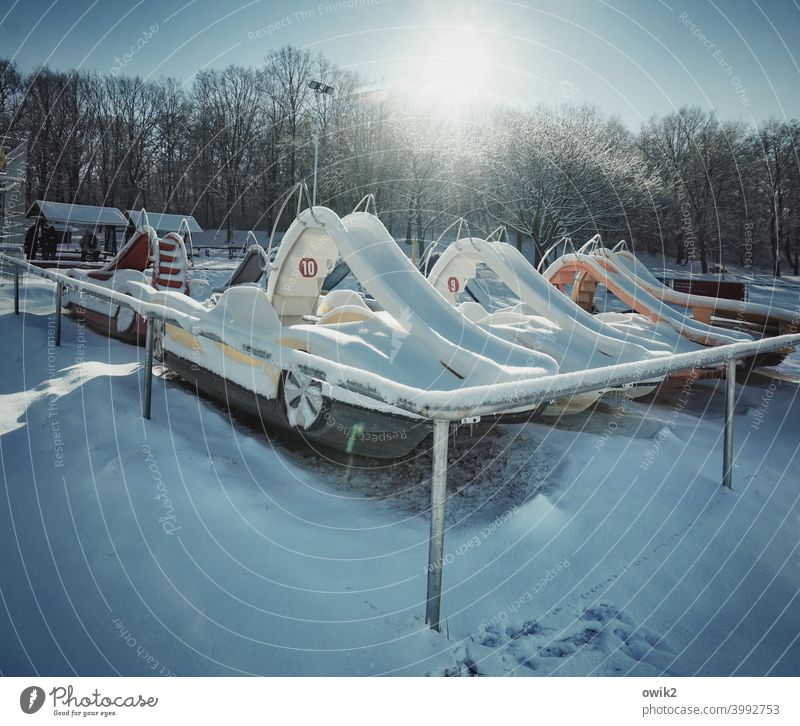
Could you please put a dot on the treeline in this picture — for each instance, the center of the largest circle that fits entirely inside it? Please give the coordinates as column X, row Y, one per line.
column 226, row 146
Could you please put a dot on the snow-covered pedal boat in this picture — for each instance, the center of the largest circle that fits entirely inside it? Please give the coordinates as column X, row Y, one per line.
column 542, row 319
column 759, row 320
column 583, row 272
column 413, row 336
column 169, row 270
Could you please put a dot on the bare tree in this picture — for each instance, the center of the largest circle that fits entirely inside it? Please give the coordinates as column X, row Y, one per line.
column 564, row 172
column 228, row 104
column 228, row 147
column 11, row 94
column 776, row 146
column 290, row 69
column 696, row 158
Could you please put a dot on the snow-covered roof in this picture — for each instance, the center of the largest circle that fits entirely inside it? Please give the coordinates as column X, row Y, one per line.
column 78, row 214
column 165, row 222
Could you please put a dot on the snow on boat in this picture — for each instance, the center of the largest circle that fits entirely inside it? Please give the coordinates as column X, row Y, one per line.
column 169, row 264
column 584, row 272
column 543, row 319
column 762, row 320
column 416, row 338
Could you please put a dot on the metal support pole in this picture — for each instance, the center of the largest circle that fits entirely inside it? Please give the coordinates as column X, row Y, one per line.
column 58, row 315
column 441, row 430
column 730, row 397
column 16, row 290
column 316, row 155
column 148, row 367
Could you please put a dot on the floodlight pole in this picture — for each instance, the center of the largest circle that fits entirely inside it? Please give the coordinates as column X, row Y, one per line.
column 316, row 154
column 319, row 89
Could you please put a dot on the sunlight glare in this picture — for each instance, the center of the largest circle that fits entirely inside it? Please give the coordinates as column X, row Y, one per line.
column 454, row 68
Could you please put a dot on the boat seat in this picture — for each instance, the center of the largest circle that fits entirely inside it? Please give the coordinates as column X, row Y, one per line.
column 342, row 306
column 296, row 294
column 171, row 266
column 337, row 298
column 473, row 311
column 346, row 314
column 250, row 270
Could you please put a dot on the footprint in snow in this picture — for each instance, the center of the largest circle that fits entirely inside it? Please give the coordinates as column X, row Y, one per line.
column 601, row 639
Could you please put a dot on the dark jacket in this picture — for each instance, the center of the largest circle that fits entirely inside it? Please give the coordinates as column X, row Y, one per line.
column 32, row 237
column 49, row 243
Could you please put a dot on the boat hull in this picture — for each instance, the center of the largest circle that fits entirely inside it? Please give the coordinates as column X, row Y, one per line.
column 134, row 334
column 344, row 427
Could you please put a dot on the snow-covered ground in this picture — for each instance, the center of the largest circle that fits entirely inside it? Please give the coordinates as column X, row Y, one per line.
column 197, row 544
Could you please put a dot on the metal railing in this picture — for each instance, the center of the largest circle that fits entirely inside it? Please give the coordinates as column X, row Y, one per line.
column 442, row 407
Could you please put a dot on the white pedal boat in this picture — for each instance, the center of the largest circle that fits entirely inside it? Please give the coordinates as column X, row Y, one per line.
column 542, row 320
column 757, row 319
column 416, row 337
column 694, row 317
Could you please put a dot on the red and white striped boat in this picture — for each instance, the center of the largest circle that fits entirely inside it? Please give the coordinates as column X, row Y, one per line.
column 160, row 263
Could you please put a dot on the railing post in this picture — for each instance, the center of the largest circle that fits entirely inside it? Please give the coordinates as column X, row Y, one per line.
column 58, row 314
column 148, row 366
column 441, row 431
column 730, row 398
column 16, row 289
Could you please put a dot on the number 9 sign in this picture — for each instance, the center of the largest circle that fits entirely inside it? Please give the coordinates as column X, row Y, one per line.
column 308, row 267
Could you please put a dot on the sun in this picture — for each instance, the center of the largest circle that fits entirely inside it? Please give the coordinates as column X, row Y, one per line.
column 458, row 56
column 451, row 71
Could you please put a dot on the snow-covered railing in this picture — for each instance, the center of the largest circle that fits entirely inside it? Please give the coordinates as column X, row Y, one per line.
column 365, row 201
column 497, row 234
column 461, row 222
column 591, row 245
column 440, row 406
column 563, row 241
column 187, row 239
column 449, row 405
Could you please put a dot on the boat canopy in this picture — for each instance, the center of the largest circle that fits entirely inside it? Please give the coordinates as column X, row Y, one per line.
column 78, row 214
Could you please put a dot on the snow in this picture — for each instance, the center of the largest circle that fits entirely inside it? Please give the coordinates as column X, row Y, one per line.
column 495, row 296
column 389, row 276
column 446, row 337
column 640, row 300
column 635, row 271
column 573, row 337
column 600, row 544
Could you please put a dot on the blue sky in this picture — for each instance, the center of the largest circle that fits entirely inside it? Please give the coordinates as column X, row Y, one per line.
column 631, row 58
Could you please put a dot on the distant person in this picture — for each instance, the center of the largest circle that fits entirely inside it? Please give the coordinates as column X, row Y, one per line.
column 89, row 246
column 130, row 230
column 49, row 243
column 32, row 240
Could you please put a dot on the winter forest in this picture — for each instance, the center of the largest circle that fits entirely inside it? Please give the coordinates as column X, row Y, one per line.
column 225, row 145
